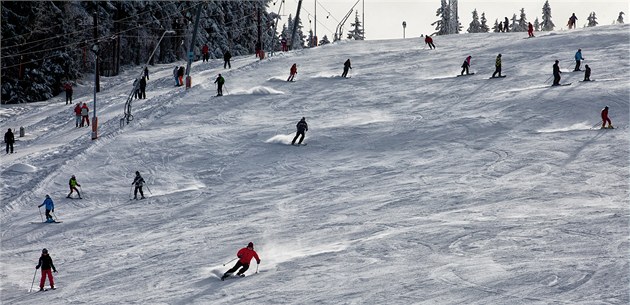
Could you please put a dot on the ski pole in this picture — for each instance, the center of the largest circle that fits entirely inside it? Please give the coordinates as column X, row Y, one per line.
column 548, row 79
column 33, row 283
column 596, row 124
column 130, row 191
column 148, row 189
column 53, row 213
column 257, row 267
column 82, row 191
column 40, row 213
column 226, row 90
column 230, row 261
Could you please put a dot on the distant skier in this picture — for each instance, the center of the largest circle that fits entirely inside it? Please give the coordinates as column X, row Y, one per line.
column 285, row 48
column 620, row 18
column 530, row 30
column 556, row 73
column 146, row 72
column 572, row 21
column 9, row 140
column 46, row 263
column 429, row 41
column 302, row 127
column 204, row 52
column 497, row 66
column 50, row 207
column 142, row 94
column 346, row 67
column 136, row 86
column 68, row 88
column 73, row 187
column 466, row 65
column 85, row 114
column 175, row 70
column 500, row 27
column 138, row 182
column 258, row 49
column 292, row 73
column 245, row 256
column 587, row 73
column 180, row 75
column 506, row 25
column 77, row 115
column 578, row 60
column 226, row 60
column 219, row 81
column 605, row 119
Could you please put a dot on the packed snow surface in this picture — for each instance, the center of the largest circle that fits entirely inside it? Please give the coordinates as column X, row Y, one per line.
column 416, row 187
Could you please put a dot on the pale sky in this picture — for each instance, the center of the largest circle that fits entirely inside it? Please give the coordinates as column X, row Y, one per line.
column 383, row 19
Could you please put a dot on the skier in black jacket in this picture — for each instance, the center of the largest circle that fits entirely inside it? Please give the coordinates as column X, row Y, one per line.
column 302, row 127
column 346, row 67
column 46, row 263
column 9, row 139
column 556, row 74
column 138, row 182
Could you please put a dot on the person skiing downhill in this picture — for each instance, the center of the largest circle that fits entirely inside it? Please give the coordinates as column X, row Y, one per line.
column 578, row 60
column 245, row 256
column 292, row 73
column 429, row 41
column 497, row 65
column 605, row 119
column 556, row 73
column 587, row 73
column 346, row 67
column 46, row 263
column 9, row 139
column 138, row 182
column 465, row 65
column 219, row 81
column 50, row 207
column 302, row 127
column 73, row 187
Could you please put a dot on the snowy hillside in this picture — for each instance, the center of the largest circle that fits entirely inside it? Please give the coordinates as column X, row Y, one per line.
column 416, row 187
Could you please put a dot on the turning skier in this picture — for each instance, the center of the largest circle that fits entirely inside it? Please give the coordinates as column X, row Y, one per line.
column 587, row 73
column 50, row 207
column 292, row 73
column 497, row 66
column 346, row 67
column 429, row 41
column 556, row 73
column 73, row 187
column 302, row 127
column 605, row 119
column 219, row 81
column 138, row 182
column 46, row 263
column 465, row 65
column 245, row 256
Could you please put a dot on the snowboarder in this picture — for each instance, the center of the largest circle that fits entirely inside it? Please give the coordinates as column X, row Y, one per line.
column 497, row 65
column 587, row 73
column 530, row 30
column 142, row 89
column 204, row 52
column 302, row 127
column 219, row 81
column 68, row 88
column 346, row 67
column 429, row 41
column 506, row 25
column 9, row 139
column 605, row 119
column 177, row 84
column 578, row 60
column 465, row 65
column 50, row 207
column 245, row 256
column 46, row 262
column 292, row 73
column 77, row 115
column 73, row 187
column 146, row 72
column 572, row 20
column 180, row 75
column 556, row 73
column 226, row 60
column 85, row 113
column 138, row 182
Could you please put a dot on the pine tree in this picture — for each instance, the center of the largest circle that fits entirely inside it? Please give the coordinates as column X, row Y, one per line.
column 592, row 20
column 620, row 18
column 495, row 28
column 514, row 25
column 547, row 24
column 522, row 23
column 324, row 40
column 475, row 26
column 442, row 26
column 536, row 25
column 357, row 30
column 484, row 25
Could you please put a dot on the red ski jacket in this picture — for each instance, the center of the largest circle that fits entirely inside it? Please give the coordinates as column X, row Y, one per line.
column 246, row 255
column 428, row 39
column 293, row 69
column 77, row 109
column 604, row 114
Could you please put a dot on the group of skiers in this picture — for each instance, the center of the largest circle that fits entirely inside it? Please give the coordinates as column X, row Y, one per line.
column 81, row 115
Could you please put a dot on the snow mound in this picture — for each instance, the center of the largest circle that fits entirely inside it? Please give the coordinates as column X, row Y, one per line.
column 22, row 168
column 280, row 139
column 259, row 90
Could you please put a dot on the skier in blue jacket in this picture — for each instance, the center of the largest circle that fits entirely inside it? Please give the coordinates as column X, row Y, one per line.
column 50, row 207
column 578, row 60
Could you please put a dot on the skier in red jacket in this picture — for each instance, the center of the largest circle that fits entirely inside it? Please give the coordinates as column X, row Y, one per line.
column 605, row 119
column 429, row 41
column 293, row 72
column 245, row 255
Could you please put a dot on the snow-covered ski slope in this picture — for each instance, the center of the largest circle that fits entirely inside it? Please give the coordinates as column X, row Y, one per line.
column 417, row 186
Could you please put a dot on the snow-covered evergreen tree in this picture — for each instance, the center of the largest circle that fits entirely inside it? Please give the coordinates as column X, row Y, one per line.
column 522, row 22
column 620, row 18
column 442, row 26
column 484, row 23
column 356, row 32
column 592, row 20
column 536, row 25
column 514, row 25
column 495, row 28
column 547, row 24
column 299, row 35
column 475, row 25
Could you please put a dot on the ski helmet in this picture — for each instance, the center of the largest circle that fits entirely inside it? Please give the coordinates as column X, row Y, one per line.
column 250, row 245
column 45, row 251
column 137, row 173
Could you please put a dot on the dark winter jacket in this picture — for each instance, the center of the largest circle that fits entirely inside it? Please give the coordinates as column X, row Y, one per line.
column 138, row 181
column 497, row 62
column 556, row 69
column 302, row 126
column 181, row 71
column 46, row 263
column 227, row 55
column 220, row 80
column 347, row 64
column 9, row 138
column 143, row 83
